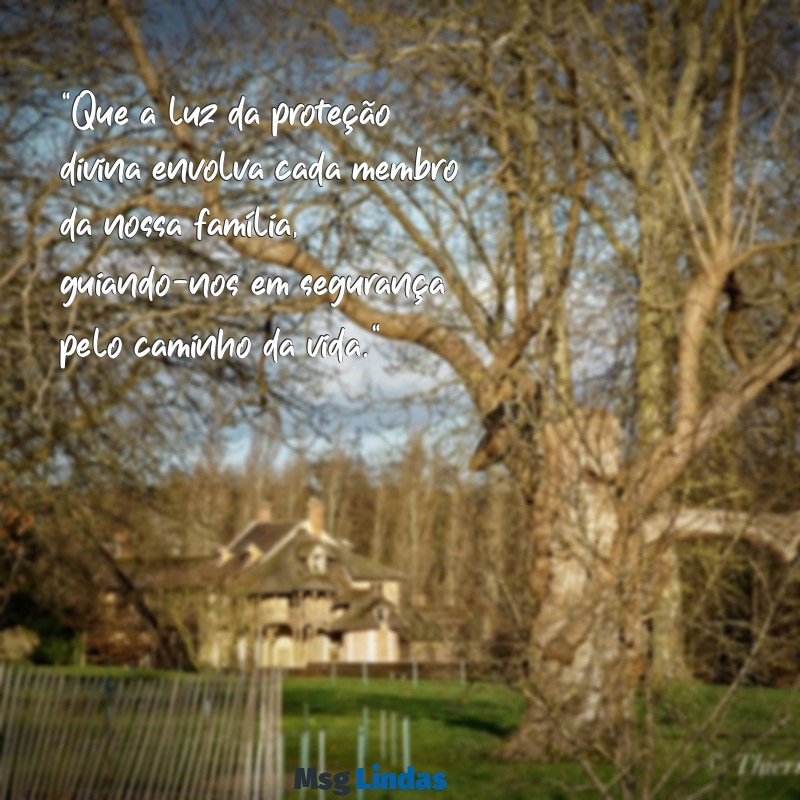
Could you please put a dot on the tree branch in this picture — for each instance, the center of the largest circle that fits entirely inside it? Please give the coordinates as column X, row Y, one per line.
column 779, row 533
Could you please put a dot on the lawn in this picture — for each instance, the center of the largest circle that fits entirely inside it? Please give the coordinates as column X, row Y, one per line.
column 457, row 730
column 460, row 730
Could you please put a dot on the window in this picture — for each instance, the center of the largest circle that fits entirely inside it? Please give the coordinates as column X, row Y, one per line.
column 317, row 561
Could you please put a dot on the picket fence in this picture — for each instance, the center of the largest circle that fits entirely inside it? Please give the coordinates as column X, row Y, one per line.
column 77, row 737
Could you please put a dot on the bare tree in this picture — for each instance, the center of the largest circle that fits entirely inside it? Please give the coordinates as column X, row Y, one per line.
column 635, row 157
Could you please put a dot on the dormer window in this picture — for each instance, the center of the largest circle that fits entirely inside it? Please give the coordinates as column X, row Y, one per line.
column 252, row 554
column 317, row 561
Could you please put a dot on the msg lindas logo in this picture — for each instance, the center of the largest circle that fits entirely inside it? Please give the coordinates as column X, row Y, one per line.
column 339, row 782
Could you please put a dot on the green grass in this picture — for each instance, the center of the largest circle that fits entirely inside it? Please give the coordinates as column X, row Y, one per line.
column 460, row 731
column 454, row 730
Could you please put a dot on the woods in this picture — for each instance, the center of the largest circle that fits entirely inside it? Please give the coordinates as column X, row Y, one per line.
column 619, row 330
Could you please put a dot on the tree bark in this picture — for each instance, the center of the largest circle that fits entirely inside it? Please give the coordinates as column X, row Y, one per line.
column 587, row 639
column 668, row 651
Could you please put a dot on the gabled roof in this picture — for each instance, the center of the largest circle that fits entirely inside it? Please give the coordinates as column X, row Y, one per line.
column 266, row 558
column 283, row 545
column 285, row 570
column 264, row 535
column 362, row 616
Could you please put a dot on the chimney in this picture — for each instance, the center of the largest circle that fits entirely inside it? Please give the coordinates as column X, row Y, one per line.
column 264, row 513
column 316, row 516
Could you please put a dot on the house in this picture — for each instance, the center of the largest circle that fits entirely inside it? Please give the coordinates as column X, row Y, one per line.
column 281, row 593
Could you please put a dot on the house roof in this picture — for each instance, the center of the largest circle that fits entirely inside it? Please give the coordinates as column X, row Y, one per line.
column 280, row 565
column 283, row 572
column 285, row 547
column 363, row 616
column 264, row 535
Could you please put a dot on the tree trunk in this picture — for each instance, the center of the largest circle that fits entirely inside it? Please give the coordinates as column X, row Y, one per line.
column 587, row 640
column 667, row 646
column 655, row 340
column 583, row 675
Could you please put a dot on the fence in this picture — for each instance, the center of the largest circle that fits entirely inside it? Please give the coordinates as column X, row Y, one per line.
column 66, row 737
column 497, row 670
column 387, row 753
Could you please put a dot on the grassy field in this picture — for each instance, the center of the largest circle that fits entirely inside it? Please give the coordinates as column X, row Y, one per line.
column 459, row 731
